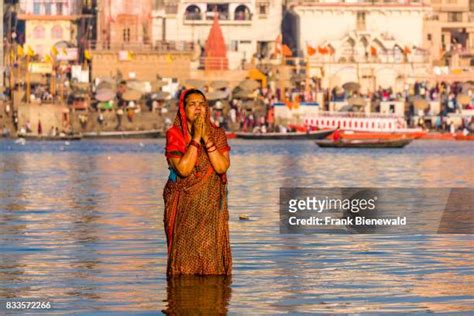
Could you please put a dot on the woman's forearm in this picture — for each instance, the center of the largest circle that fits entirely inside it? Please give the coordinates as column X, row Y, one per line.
column 219, row 161
column 184, row 165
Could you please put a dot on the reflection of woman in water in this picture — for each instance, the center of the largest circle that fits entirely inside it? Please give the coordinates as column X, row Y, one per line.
column 196, row 214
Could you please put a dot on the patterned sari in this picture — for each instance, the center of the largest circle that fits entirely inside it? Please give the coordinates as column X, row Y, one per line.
column 196, row 213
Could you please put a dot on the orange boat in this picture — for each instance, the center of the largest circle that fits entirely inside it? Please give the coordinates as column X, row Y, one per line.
column 464, row 137
column 438, row 136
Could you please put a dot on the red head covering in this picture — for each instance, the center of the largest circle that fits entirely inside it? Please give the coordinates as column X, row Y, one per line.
column 177, row 136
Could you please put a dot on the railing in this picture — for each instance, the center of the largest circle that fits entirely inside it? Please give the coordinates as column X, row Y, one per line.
column 221, row 16
column 362, row 2
column 355, row 114
column 165, row 46
column 176, row 46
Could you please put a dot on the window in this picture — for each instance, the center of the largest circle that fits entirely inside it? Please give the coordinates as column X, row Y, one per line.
column 234, row 46
column 37, row 8
column 429, row 37
column 454, row 16
column 361, row 21
column 47, row 8
column 126, row 34
column 242, row 13
column 59, row 8
column 222, row 11
column 38, row 32
column 193, row 13
column 263, row 9
column 57, row 32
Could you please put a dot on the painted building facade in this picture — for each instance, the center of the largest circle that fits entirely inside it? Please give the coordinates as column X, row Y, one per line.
column 449, row 33
column 375, row 43
column 250, row 27
column 48, row 23
column 124, row 24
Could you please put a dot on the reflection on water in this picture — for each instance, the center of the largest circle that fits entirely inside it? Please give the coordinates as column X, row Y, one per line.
column 81, row 224
column 198, row 295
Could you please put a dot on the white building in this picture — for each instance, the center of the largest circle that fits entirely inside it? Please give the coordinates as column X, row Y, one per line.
column 250, row 27
column 373, row 42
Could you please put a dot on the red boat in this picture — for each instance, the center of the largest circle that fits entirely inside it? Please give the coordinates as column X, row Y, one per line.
column 438, row 136
column 230, row 135
column 464, row 137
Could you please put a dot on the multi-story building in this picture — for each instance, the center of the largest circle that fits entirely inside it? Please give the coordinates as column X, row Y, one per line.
column 250, row 28
column 49, row 22
column 373, row 42
column 124, row 24
column 449, row 32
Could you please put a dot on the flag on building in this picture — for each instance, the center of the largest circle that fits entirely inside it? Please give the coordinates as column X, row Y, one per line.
column 330, row 50
column 30, row 52
column 278, row 48
column 19, row 51
column 87, row 54
column 54, row 51
column 373, row 51
column 310, row 50
column 48, row 59
column 286, row 51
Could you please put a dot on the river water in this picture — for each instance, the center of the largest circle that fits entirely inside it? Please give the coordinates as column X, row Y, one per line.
column 81, row 226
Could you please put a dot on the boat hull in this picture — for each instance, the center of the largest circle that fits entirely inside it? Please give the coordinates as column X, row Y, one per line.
column 310, row 135
column 464, row 137
column 376, row 143
column 122, row 135
column 51, row 138
column 382, row 135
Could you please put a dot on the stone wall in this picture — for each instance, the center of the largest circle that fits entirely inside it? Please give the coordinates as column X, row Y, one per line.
column 145, row 65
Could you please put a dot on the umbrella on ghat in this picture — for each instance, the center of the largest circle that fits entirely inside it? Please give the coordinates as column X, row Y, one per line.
column 104, row 95
column 351, row 86
column 219, row 84
column 249, row 85
column 131, row 95
column 194, row 83
column 216, row 95
column 161, row 95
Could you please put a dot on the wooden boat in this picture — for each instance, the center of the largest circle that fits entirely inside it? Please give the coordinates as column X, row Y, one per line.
column 463, row 137
column 123, row 134
column 365, row 143
column 438, row 136
column 50, row 138
column 356, row 135
column 291, row 135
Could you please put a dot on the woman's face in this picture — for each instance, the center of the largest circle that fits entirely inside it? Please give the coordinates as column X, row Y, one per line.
column 195, row 106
